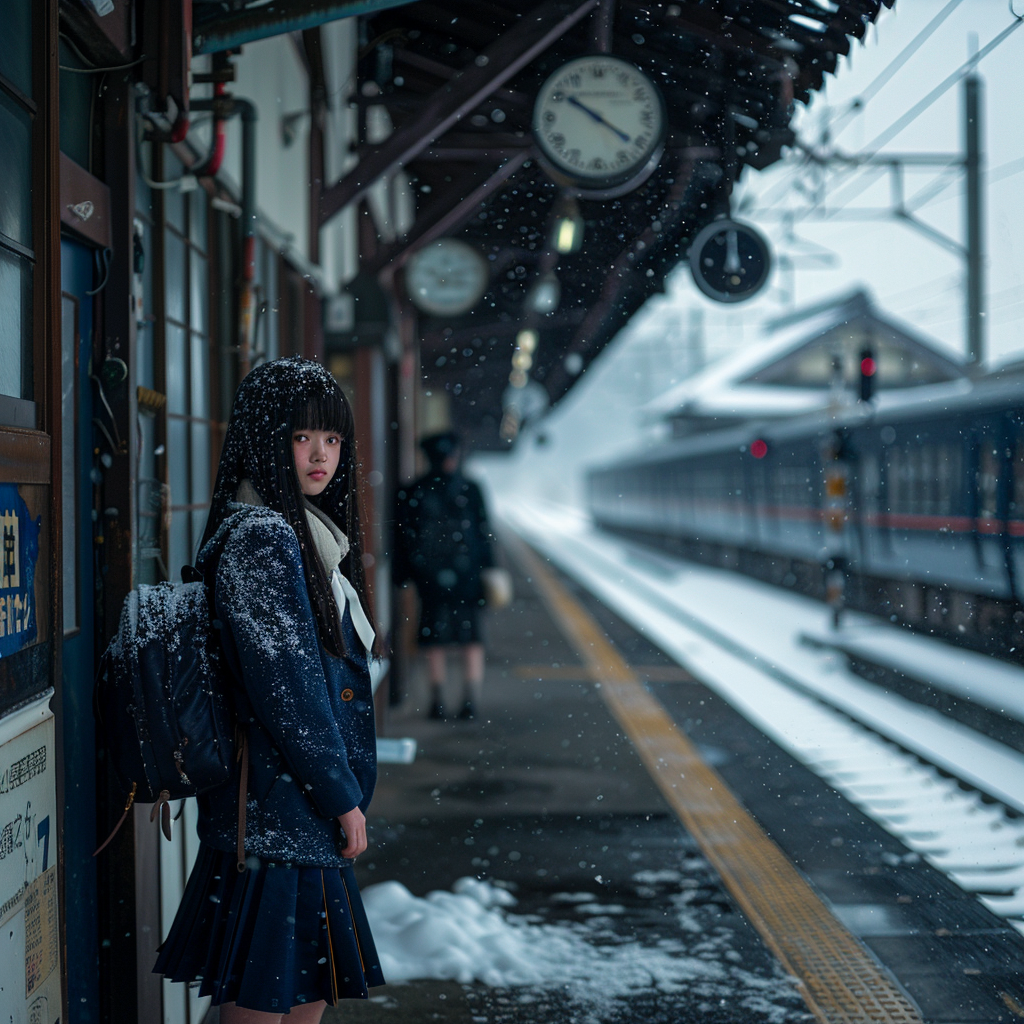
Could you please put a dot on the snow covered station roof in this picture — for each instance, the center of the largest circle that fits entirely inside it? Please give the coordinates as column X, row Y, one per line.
column 801, row 360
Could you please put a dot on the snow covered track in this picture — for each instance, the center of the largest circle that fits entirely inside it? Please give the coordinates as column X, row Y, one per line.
column 889, row 756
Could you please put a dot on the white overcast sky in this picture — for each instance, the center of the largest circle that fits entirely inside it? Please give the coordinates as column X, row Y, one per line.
column 908, row 275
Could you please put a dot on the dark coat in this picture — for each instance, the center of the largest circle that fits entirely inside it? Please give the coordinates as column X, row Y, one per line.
column 312, row 747
column 442, row 538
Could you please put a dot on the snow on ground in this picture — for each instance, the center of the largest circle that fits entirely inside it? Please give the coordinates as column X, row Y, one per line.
column 468, row 935
column 743, row 638
column 724, row 614
column 975, row 677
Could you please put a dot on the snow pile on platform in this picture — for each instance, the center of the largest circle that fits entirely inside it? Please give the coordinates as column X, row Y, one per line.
column 467, row 936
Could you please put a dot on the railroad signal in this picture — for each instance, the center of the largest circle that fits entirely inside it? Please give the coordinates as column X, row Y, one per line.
column 868, row 369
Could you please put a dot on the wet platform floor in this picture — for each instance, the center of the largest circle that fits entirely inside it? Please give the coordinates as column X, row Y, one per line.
column 545, row 795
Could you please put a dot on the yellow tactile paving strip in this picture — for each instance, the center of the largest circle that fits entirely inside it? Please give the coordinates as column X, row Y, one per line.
column 840, row 980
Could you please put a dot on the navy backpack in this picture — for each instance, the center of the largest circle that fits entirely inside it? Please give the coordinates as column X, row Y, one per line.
column 162, row 701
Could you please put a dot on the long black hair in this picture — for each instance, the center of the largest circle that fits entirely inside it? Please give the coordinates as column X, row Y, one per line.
column 271, row 403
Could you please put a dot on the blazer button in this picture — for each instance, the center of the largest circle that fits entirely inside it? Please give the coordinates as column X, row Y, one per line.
column 347, row 694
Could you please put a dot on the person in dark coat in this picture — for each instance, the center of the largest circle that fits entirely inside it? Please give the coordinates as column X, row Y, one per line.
column 278, row 928
column 442, row 545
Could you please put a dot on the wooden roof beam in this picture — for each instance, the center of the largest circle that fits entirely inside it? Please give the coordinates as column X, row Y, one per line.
column 446, row 73
column 476, row 25
column 709, row 27
column 447, row 213
column 503, row 59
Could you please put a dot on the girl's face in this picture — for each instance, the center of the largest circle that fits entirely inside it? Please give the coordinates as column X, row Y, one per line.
column 316, row 458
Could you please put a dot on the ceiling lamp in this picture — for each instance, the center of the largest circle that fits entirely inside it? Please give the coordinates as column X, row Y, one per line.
column 522, row 357
column 567, row 229
column 545, row 294
column 526, row 340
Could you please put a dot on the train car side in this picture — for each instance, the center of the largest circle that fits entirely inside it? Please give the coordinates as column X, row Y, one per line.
column 932, row 530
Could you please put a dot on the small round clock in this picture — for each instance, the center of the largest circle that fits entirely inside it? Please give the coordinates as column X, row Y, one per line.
column 600, row 124
column 446, row 278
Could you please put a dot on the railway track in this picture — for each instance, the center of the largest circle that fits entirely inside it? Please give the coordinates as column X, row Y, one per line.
column 950, row 794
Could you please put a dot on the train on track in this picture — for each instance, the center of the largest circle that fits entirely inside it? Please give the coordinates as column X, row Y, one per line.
column 917, row 497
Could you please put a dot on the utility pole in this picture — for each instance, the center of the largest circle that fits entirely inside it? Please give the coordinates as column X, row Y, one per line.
column 970, row 161
column 974, row 226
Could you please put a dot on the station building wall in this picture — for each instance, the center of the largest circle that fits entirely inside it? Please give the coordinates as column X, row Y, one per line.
column 118, row 362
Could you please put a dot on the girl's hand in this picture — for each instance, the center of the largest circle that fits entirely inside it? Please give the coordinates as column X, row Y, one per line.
column 353, row 824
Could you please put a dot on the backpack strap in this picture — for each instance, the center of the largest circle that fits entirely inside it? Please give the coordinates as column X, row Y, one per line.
column 243, row 795
column 163, row 808
column 121, row 821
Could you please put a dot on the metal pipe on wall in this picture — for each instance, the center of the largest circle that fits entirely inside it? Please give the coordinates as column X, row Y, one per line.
column 249, row 115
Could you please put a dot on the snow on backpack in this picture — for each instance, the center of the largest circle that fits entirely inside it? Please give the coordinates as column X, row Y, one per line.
column 162, row 700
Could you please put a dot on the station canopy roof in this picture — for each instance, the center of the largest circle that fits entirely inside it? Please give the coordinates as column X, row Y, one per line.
column 459, row 79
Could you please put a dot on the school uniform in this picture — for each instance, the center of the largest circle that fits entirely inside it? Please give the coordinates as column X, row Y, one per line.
column 290, row 928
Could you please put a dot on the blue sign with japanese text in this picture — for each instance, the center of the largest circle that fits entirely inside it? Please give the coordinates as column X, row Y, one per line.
column 19, row 552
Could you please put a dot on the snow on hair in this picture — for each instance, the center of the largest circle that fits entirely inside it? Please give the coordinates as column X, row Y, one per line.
column 272, row 402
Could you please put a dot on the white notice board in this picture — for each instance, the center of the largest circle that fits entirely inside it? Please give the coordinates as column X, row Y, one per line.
column 29, row 924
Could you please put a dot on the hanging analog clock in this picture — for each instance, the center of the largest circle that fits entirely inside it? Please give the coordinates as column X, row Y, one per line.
column 600, row 124
column 446, row 278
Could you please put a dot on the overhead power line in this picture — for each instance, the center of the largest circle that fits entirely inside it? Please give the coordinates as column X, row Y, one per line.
column 947, row 83
column 908, row 51
column 779, row 190
column 932, row 192
column 871, row 89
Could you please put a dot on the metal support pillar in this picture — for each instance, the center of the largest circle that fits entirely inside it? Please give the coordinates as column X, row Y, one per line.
column 974, row 227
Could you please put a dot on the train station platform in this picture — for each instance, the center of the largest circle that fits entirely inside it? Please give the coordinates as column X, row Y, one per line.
column 613, row 840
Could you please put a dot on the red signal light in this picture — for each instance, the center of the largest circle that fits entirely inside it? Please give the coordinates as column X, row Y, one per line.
column 759, row 449
column 868, row 367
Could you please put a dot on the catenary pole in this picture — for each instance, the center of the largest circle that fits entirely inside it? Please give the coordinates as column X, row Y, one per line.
column 974, row 227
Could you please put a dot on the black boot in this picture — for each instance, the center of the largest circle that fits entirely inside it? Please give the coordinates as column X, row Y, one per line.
column 468, row 712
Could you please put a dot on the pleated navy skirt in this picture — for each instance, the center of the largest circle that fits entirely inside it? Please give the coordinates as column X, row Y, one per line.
column 272, row 937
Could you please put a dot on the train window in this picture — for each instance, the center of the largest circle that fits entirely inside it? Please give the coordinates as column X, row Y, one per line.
column 901, row 479
column 988, row 478
column 870, row 486
column 921, row 463
column 896, row 479
column 954, row 463
column 1017, row 506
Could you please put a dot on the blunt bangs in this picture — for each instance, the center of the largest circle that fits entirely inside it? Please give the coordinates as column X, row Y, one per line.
column 324, row 409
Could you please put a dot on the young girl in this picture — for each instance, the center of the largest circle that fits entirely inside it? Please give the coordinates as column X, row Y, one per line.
column 279, row 929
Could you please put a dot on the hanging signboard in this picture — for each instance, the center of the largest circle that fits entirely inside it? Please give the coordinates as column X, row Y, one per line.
column 730, row 261
column 29, row 926
column 19, row 553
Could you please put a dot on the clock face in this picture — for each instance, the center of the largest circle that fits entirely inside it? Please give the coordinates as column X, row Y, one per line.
column 599, row 121
column 447, row 278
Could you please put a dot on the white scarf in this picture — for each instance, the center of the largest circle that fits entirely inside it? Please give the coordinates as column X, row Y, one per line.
column 331, row 547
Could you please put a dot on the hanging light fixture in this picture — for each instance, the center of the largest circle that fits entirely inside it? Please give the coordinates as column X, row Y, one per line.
column 567, row 225
column 544, row 294
column 522, row 357
column 526, row 340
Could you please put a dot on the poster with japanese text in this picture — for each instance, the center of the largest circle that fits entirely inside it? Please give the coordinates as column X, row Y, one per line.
column 29, row 922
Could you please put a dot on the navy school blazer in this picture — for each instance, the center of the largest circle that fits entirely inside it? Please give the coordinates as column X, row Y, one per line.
column 309, row 715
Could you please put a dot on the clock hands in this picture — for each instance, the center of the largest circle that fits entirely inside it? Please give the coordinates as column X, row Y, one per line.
column 599, row 118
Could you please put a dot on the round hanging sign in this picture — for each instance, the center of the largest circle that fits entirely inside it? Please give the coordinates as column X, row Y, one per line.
column 730, row 261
